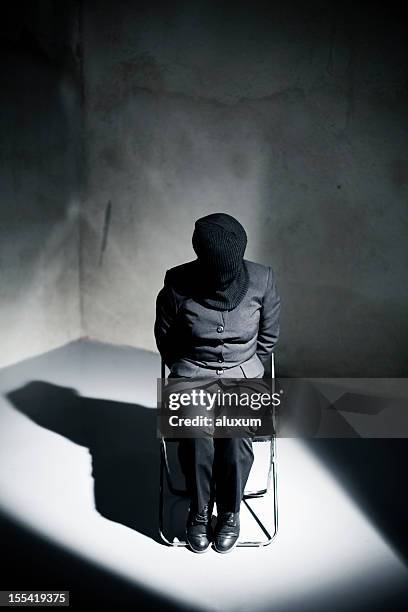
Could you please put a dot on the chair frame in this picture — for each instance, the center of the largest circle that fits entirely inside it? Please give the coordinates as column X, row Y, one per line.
column 165, row 477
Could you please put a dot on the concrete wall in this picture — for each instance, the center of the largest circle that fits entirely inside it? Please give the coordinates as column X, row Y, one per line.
column 294, row 122
column 40, row 125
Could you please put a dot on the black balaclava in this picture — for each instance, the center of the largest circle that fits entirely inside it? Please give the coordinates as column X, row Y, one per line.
column 219, row 241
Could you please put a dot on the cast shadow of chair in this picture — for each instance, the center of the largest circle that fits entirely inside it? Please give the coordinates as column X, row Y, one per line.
column 121, row 439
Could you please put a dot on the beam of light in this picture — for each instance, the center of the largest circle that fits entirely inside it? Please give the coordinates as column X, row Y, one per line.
column 326, row 548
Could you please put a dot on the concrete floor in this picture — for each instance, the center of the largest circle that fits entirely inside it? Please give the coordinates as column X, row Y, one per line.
column 79, row 466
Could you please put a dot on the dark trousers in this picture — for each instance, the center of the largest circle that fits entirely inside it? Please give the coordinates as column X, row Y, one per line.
column 216, row 469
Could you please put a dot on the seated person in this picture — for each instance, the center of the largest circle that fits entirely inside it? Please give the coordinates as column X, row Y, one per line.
column 217, row 315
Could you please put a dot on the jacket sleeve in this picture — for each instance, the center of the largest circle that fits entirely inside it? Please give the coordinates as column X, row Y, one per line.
column 166, row 311
column 269, row 327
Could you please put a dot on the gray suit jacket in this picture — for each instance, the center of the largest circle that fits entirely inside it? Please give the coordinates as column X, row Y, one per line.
column 193, row 338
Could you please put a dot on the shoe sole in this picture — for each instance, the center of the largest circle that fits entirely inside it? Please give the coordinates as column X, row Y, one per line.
column 225, row 552
column 197, row 552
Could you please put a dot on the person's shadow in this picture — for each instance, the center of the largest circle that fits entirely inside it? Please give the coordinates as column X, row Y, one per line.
column 122, row 441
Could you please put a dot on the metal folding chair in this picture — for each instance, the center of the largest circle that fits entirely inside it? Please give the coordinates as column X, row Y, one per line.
column 168, row 487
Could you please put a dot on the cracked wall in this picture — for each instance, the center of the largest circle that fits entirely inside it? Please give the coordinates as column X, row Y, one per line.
column 295, row 123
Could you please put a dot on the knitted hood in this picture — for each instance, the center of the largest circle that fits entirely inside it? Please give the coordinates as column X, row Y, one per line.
column 219, row 241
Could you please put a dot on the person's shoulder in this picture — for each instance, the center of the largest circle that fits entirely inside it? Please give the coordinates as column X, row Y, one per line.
column 260, row 274
column 255, row 267
column 257, row 270
column 182, row 278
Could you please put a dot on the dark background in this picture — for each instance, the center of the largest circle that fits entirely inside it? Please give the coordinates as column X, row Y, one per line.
column 122, row 122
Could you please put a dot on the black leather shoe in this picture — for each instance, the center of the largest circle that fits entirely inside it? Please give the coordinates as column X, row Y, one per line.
column 226, row 532
column 198, row 529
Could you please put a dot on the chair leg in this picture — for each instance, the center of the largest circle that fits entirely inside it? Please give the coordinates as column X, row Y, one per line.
column 163, row 481
column 269, row 536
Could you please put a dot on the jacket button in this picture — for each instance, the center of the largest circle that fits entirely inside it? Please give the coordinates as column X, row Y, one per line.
column 220, row 329
column 220, row 360
column 219, row 372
